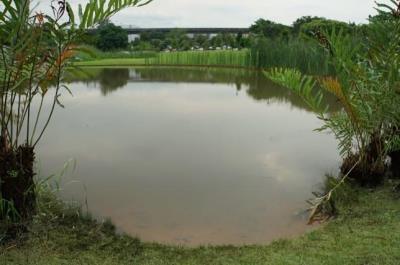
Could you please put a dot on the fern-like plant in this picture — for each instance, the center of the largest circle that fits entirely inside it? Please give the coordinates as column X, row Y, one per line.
column 367, row 86
column 35, row 49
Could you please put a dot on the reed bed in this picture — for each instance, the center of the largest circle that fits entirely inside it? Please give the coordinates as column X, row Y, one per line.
column 303, row 55
column 202, row 58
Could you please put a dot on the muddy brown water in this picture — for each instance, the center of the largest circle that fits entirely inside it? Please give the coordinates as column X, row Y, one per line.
column 189, row 156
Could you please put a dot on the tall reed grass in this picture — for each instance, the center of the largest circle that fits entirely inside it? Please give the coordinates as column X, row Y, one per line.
column 302, row 55
column 306, row 56
column 202, row 58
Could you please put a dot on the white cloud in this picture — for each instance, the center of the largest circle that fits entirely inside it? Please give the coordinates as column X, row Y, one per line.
column 237, row 13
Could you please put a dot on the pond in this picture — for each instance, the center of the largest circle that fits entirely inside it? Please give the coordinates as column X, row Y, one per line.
column 189, row 156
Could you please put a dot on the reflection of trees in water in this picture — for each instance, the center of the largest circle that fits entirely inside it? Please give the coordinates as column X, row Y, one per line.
column 256, row 84
column 111, row 79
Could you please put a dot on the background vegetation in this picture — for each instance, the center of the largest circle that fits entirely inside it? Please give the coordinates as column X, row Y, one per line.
column 366, row 82
column 269, row 44
column 111, row 37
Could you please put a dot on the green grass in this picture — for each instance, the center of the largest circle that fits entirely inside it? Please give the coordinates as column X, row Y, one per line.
column 306, row 56
column 203, row 58
column 366, row 232
column 113, row 62
column 88, row 53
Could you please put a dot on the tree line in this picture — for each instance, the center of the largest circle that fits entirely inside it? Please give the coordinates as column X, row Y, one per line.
column 110, row 37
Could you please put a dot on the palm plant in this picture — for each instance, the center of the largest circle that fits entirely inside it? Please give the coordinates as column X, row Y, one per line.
column 35, row 50
column 367, row 85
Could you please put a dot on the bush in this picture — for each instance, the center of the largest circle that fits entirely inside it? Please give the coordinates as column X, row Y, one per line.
column 111, row 37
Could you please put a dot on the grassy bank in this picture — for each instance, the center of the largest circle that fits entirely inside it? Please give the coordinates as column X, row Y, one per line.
column 366, row 232
column 112, row 62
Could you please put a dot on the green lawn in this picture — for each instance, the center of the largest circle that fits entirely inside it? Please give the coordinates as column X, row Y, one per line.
column 366, row 232
column 112, row 62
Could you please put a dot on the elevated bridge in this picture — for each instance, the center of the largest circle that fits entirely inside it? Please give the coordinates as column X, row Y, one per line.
column 205, row 31
column 134, row 33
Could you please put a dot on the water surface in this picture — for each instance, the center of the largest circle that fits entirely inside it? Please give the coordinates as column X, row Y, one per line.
column 189, row 156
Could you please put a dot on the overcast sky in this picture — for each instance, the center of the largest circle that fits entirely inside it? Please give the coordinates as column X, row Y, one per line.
column 237, row 13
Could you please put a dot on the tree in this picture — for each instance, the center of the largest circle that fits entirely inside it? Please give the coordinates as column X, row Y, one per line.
column 200, row 40
column 301, row 21
column 111, row 37
column 269, row 29
column 241, row 42
column 325, row 25
column 178, row 39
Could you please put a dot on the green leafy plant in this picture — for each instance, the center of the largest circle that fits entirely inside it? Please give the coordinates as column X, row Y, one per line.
column 35, row 50
column 367, row 86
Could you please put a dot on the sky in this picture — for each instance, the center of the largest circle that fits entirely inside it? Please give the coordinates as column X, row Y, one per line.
column 236, row 13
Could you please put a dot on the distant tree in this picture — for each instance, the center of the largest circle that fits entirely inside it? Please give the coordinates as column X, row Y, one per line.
column 269, row 29
column 301, row 21
column 217, row 41
column 145, row 36
column 229, row 40
column 143, row 46
column 157, row 35
column 326, row 25
column 242, row 42
column 165, row 44
column 185, row 44
column 200, row 40
column 176, row 38
column 239, row 40
column 111, row 37
column 380, row 17
column 157, row 44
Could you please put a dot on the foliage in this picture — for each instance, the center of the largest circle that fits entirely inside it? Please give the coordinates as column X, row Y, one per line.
column 325, row 25
column 177, row 39
column 367, row 85
column 35, row 49
column 269, row 29
column 111, row 37
column 298, row 23
column 204, row 58
column 293, row 53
